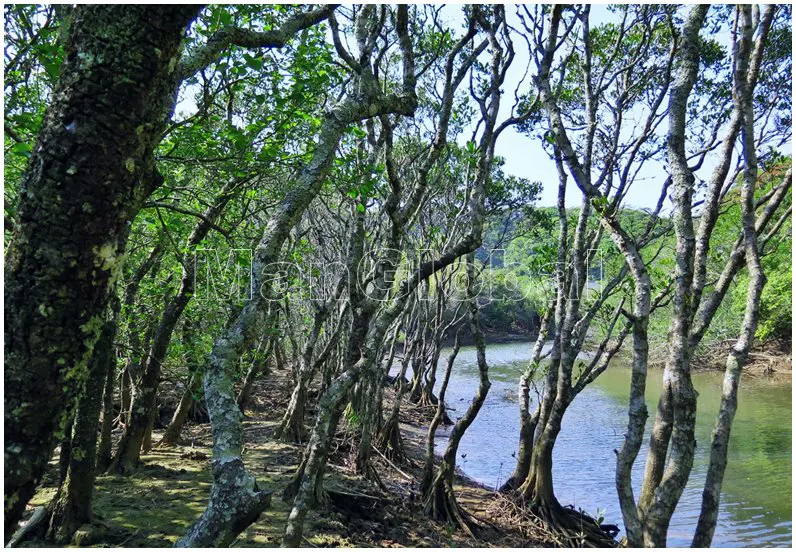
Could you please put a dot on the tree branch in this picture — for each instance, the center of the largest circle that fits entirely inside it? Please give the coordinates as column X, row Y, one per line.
column 225, row 37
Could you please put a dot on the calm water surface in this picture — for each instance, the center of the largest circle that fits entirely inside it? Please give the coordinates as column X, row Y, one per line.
column 756, row 496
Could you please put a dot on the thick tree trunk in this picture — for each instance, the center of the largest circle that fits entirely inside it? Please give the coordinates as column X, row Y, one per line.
column 146, row 442
column 528, row 421
column 88, row 175
column 292, row 428
column 676, row 408
column 235, row 500
column 666, row 491
column 538, row 486
column 128, row 451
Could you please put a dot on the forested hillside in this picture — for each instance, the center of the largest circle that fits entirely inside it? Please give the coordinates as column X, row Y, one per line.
column 247, row 248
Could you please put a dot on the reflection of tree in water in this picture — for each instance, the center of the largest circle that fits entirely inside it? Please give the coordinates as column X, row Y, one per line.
column 756, row 493
column 756, row 497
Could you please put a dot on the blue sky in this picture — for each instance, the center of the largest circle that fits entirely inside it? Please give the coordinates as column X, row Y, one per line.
column 524, row 155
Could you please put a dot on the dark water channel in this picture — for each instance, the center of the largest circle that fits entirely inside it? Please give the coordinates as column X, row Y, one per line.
column 756, row 498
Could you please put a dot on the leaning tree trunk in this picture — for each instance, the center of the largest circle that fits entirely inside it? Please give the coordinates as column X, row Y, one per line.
column 105, row 443
column 439, row 501
column 439, row 416
column 235, row 499
column 528, row 421
column 172, row 434
column 308, row 482
column 711, row 495
column 71, row 507
column 138, row 433
column 87, row 177
column 259, row 365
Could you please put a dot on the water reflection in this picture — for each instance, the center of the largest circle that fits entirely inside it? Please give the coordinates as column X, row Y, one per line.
column 756, row 497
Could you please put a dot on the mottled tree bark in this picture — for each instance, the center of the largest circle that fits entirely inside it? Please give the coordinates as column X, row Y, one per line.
column 89, row 172
column 678, row 398
column 528, row 421
column 711, row 494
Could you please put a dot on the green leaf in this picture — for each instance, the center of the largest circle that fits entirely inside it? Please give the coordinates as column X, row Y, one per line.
column 21, row 148
column 225, row 17
column 360, row 208
column 253, row 62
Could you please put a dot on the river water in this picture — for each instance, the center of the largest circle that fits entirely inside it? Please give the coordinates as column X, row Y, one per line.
column 756, row 496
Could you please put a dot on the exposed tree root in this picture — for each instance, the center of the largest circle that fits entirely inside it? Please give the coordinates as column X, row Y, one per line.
column 427, row 397
column 35, row 526
column 559, row 525
column 390, row 443
column 511, row 484
column 291, row 490
column 233, row 507
column 292, row 429
column 372, row 474
column 440, row 504
column 356, row 503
